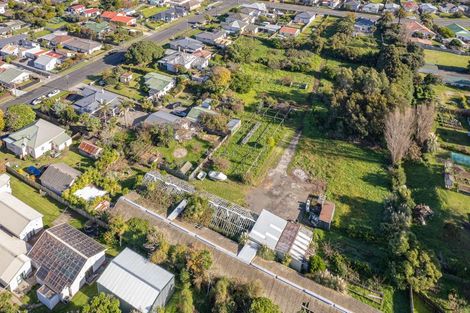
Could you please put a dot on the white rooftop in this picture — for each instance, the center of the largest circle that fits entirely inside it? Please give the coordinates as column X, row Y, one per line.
column 12, row 256
column 15, row 215
column 135, row 280
column 268, row 229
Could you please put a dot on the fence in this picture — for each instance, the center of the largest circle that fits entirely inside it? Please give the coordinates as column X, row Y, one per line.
column 54, row 196
column 207, row 158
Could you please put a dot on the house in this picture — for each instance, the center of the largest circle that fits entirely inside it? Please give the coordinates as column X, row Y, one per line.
column 287, row 31
column 195, row 113
column 269, row 28
column 65, row 259
column 91, row 12
column 372, row 8
column 17, row 218
column 158, row 85
column 304, row 18
column 82, row 45
column 170, row 14
column 93, row 101
column 13, row 40
column 124, row 20
column 363, row 25
column 14, row 24
column 352, row 5
column 76, row 9
column 211, row 38
column 46, row 63
column 186, row 45
column 410, row 6
column 5, row 183
column 4, row 30
column 178, row 59
column 98, row 29
column 89, row 149
column 162, row 118
column 234, row 27
column 258, row 6
column 282, row 237
column 15, row 266
column 332, row 4
column 38, row 139
column 232, row 17
column 59, row 177
column 12, row 77
column 391, row 7
column 139, row 284
column 414, row 29
column 327, row 211
column 126, row 78
column 449, row 8
column 459, row 32
column 427, row 8
column 109, row 15
column 251, row 29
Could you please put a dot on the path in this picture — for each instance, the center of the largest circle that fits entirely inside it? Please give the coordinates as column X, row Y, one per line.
column 281, row 193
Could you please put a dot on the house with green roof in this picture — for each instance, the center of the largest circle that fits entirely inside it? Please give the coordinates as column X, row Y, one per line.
column 37, row 139
column 11, row 77
column 158, row 85
column 196, row 112
column 98, row 29
column 459, row 32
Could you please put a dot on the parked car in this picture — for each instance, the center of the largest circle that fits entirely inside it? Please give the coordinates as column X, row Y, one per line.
column 174, row 105
column 180, row 113
column 53, row 93
column 217, row 176
column 38, row 100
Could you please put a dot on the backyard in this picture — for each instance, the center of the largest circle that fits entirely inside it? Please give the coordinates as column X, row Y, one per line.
column 446, row 59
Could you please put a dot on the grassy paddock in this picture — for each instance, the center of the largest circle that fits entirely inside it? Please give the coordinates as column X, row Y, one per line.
column 446, row 59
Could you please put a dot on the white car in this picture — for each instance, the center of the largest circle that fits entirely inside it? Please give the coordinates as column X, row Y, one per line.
column 218, row 176
column 38, row 100
column 53, row 93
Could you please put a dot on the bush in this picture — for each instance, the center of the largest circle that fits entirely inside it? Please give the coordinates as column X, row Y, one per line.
column 329, row 280
column 220, row 164
column 316, row 264
column 265, row 253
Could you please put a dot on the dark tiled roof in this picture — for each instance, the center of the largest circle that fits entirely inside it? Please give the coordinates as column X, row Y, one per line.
column 60, row 254
column 59, row 177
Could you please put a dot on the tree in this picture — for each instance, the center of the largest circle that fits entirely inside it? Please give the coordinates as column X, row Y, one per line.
column 2, row 120
column 223, row 302
column 126, row 105
column 143, row 52
column 185, row 303
column 241, row 82
column 118, row 227
column 19, row 116
column 102, row 303
column 264, row 305
column 6, row 304
column 214, row 122
column 316, row 264
column 398, row 131
column 198, row 210
column 198, row 262
column 242, row 51
column 220, row 78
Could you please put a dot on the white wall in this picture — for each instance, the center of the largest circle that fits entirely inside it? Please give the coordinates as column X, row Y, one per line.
column 31, row 229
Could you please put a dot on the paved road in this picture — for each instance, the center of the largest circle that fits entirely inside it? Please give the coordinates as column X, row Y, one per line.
column 95, row 67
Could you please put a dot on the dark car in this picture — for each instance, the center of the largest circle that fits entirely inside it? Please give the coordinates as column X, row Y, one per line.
column 174, row 105
column 32, row 170
column 180, row 113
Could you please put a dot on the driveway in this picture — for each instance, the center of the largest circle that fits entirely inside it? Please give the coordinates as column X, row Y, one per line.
column 282, row 193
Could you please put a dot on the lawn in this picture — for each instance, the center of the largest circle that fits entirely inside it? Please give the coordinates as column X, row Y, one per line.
column 41, row 33
column 446, row 59
column 195, row 150
column 132, row 90
column 150, row 11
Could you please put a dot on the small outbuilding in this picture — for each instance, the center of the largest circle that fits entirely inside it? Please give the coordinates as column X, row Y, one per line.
column 138, row 284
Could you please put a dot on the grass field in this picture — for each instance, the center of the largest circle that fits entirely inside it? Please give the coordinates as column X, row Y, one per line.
column 446, row 59
column 150, row 11
column 132, row 90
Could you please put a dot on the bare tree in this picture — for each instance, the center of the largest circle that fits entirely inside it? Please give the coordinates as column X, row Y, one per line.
column 424, row 121
column 398, row 131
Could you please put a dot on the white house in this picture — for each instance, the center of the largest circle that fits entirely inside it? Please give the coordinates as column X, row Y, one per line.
column 138, row 283
column 3, row 7
column 304, row 18
column 158, row 84
column 372, row 7
column 16, row 217
column 46, row 63
column 14, row 264
column 38, row 139
column 427, row 8
column 12, row 77
column 65, row 259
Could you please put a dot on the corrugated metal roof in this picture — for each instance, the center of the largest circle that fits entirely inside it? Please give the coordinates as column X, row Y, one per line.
column 268, row 229
column 135, row 280
column 12, row 256
column 15, row 215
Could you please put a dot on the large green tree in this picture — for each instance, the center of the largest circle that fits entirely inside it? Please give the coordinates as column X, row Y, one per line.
column 2, row 120
column 143, row 52
column 264, row 305
column 102, row 303
column 19, row 115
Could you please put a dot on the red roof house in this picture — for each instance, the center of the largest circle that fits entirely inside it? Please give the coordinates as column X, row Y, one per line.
column 108, row 15
column 124, row 20
column 289, row 31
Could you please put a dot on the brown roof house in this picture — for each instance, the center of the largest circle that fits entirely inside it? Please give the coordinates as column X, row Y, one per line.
column 59, row 177
column 65, row 259
column 89, row 149
column 322, row 213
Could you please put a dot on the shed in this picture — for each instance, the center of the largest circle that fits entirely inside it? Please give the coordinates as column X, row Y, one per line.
column 233, row 125
column 136, row 282
column 89, row 149
column 59, row 177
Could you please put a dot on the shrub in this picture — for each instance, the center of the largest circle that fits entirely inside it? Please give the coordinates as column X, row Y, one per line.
column 329, row 280
column 265, row 253
column 316, row 264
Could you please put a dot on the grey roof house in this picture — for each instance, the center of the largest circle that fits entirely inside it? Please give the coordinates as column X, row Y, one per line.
column 138, row 284
column 12, row 40
column 59, row 177
column 211, row 38
column 304, row 17
column 38, row 139
column 161, row 118
column 170, row 14
column 94, row 100
column 11, row 77
column 174, row 61
column 186, row 45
